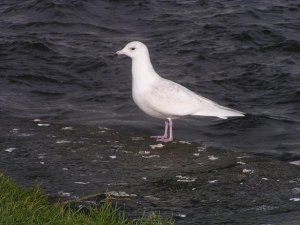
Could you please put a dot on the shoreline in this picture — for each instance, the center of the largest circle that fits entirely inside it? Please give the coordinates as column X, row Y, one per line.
column 188, row 181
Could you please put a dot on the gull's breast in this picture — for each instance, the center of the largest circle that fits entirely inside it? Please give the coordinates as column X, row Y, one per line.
column 142, row 102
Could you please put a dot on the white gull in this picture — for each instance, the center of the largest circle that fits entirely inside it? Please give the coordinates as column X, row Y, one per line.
column 165, row 99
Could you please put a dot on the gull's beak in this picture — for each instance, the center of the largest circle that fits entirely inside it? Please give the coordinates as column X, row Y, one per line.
column 121, row 52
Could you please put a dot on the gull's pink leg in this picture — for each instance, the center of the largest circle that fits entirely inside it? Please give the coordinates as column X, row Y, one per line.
column 170, row 138
column 166, row 132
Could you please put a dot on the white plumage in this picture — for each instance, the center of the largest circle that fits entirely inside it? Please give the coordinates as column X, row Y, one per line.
column 165, row 99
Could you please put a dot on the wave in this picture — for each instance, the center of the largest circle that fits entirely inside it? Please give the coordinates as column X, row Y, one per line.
column 33, row 78
column 61, row 6
column 21, row 46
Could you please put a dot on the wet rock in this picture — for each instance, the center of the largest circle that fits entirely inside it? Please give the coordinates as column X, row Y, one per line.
column 192, row 183
column 296, row 191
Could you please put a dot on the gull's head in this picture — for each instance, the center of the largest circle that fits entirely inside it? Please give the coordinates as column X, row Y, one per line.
column 134, row 49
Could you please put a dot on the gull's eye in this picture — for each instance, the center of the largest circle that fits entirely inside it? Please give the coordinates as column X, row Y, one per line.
column 132, row 48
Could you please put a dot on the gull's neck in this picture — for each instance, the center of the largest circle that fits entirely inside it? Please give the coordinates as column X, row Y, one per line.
column 142, row 70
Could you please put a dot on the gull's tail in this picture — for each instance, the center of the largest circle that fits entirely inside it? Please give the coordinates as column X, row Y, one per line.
column 221, row 112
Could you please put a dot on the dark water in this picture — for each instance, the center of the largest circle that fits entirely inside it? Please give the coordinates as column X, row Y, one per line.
column 57, row 64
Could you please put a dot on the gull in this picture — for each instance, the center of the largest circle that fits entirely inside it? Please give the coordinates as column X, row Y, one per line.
column 165, row 99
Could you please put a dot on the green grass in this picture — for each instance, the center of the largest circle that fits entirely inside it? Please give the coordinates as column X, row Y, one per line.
column 30, row 206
